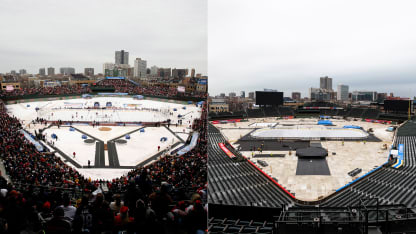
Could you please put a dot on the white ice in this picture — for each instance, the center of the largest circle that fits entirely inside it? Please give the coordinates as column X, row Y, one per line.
column 115, row 131
column 71, row 141
column 315, row 132
column 143, row 145
column 140, row 147
column 60, row 110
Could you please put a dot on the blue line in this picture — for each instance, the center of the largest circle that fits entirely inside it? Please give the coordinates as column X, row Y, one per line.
column 359, row 178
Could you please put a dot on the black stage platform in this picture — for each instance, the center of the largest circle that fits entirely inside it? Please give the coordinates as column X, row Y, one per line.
column 271, row 145
column 312, row 152
column 315, row 166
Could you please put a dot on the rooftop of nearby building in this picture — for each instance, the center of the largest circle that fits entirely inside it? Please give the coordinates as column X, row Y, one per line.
column 79, row 77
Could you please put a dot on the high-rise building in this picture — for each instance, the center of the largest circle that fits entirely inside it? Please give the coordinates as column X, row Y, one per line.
column 364, row 96
column 164, row 72
column 130, row 72
column 342, row 92
column 42, row 71
column 179, row 73
column 193, row 72
column 153, row 70
column 13, row 72
column 232, row 94
column 251, row 95
column 111, row 69
column 242, row 94
column 326, row 83
column 67, row 70
column 108, row 66
column 22, row 72
column 89, row 71
column 317, row 94
column 140, row 68
column 381, row 97
column 51, row 71
column 222, row 95
column 122, row 57
column 296, row 96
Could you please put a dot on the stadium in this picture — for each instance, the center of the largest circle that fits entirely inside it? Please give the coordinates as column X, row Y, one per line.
column 112, row 148
column 315, row 168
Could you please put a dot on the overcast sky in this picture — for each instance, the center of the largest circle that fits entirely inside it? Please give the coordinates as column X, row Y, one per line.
column 288, row 45
column 80, row 33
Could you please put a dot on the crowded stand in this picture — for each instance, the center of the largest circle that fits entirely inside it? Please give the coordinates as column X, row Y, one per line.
column 45, row 194
column 121, row 86
column 124, row 86
column 58, row 90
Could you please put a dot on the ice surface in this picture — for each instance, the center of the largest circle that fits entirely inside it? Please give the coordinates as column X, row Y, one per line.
column 314, row 132
column 105, row 136
column 140, row 147
column 146, row 110
column 71, row 141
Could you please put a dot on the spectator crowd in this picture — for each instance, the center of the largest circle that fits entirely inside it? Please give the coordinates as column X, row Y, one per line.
column 57, row 90
column 121, row 86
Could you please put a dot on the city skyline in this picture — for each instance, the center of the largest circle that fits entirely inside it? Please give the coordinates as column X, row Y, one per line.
column 288, row 45
column 68, row 41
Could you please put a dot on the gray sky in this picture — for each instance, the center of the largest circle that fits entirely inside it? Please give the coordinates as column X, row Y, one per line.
column 288, row 45
column 82, row 33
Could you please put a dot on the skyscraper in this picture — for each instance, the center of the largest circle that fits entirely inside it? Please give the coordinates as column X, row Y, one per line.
column 318, row 94
column 111, row 69
column 67, row 70
column 22, row 72
column 326, row 83
column 140, row 68
column 122, row 57
column 164, row 72
column 89, row 71
column 342, row 92
column 153, row 70
column 179, row 73
column 108, row 66
column 296, row 96
column 42, row 71
column 51, row 71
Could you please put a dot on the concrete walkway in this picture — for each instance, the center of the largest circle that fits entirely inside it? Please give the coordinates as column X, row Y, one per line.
column 3, row 172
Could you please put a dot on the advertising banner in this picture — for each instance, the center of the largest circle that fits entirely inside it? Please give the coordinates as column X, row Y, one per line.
column 9, row 88
column 181, row 89
column 226, row 150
